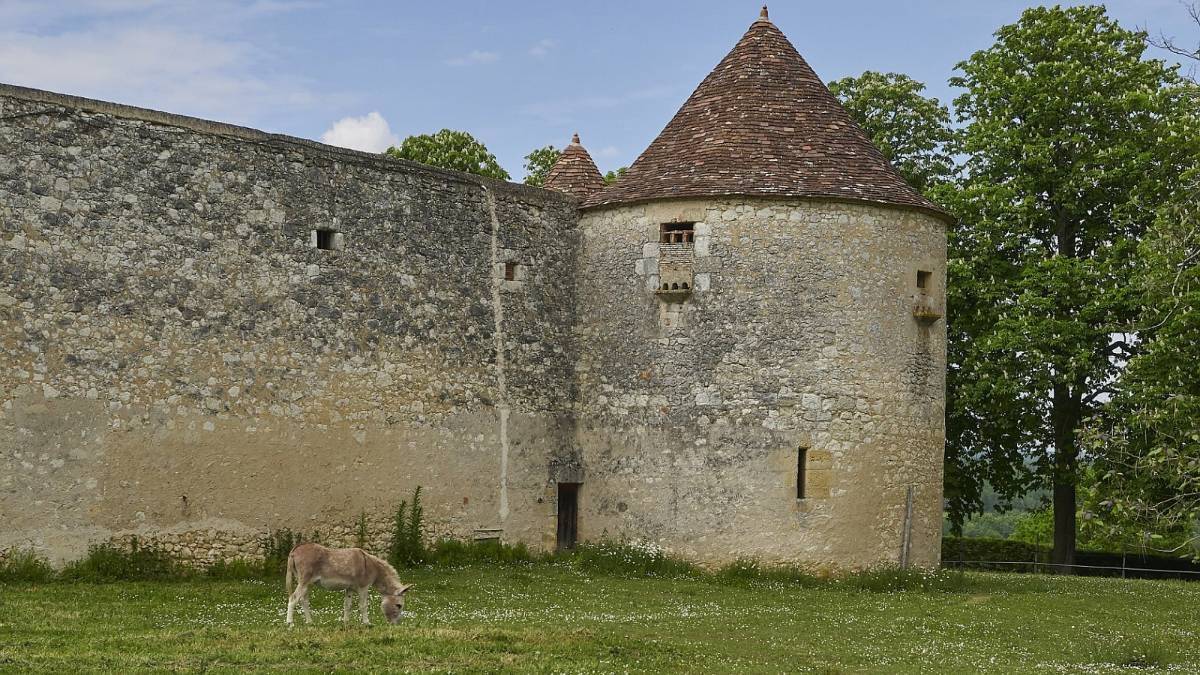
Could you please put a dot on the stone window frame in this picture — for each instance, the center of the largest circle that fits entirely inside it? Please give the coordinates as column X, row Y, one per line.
column 327, row 239
column 508, row 270
column 683, row 232
column 924, row 280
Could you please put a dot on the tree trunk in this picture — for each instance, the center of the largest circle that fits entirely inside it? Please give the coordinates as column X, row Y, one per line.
column 1064, row 524
column 1066, row 420
column 1066, row 414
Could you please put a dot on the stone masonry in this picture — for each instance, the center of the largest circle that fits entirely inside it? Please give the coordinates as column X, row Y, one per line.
column 177, row 354
column 735, row 351
column 799, row 333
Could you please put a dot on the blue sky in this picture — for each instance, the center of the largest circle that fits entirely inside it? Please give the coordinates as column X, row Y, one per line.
column 516, row 75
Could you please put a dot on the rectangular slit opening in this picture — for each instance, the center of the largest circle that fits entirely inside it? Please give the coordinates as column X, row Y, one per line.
column 325, row 239
column 510, row 271
column 801, row 471
column 923, row 279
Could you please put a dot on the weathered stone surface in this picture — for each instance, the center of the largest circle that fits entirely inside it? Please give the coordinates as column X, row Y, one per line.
column 174, row 348
column 181, row 362
column 802, row 335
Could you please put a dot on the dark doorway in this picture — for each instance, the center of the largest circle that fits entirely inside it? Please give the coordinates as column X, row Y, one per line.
column 568, row 515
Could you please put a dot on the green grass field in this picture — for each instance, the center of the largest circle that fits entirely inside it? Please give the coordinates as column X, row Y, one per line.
column 555, row 618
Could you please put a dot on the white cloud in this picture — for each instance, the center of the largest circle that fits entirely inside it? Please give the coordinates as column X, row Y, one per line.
column 197, row 59
column 566, row 110
column 608, row 151
column 281, row 6
column 28, row 13
column 369, row 133
column 476, row 57
column 542, row 48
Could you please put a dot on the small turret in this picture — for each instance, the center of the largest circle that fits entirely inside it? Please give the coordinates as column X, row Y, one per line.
column 575, row 173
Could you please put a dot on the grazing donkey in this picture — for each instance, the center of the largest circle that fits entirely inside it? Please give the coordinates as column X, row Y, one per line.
column 349, row 569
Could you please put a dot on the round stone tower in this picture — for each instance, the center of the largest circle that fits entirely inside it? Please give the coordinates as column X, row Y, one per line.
column 761, row 347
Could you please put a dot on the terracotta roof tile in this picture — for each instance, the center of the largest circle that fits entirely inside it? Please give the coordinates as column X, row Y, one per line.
column 762, row 123
column 575, row 173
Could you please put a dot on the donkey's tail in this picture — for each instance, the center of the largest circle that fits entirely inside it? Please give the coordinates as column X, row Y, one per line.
column 291, row 568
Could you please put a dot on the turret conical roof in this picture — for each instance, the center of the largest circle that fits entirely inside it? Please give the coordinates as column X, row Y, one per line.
column 762, row 124
column 575, row 173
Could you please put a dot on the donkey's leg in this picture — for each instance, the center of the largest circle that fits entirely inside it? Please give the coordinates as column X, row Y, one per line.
column 364, row 600
column 346, row 606
column 293, row 599
column 307, row 608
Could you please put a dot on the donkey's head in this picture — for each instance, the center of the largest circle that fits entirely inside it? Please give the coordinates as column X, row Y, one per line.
column 393, row 604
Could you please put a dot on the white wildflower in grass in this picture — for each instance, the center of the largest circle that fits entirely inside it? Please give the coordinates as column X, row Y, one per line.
column 564, row 616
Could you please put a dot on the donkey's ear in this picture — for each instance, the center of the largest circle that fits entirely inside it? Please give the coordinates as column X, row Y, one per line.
column 404, row 589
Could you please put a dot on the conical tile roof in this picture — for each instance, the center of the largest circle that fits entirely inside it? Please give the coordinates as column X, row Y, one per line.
column 575, row 173
column 763, row 124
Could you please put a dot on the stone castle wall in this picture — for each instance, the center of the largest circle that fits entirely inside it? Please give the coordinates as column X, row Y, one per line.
column 798, row 332
column 178, row 359
column 181, row 362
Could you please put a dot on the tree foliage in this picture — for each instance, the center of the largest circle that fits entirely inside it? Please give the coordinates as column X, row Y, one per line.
column 911, row 130
column 1148, row 437
column 538, row 164
column 1070, row 143
column 449, row 149
column 612, row 176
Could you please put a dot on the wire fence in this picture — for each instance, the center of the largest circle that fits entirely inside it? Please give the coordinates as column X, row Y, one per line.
column 1124, row 571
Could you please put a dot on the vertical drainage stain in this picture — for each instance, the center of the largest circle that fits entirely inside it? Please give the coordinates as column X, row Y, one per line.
column 498, row 333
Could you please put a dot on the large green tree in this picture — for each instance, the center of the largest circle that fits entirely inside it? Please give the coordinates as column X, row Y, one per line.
column 1069, row 152
column 449, row 149
column 1148, row 438
column 538, row 164
column 911, row 130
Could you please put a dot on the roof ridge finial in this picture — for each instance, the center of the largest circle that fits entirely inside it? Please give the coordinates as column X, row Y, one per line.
column 762, row 16
column 575, row 138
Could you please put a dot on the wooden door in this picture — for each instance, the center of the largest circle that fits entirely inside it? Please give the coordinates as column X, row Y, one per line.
column 568, row 515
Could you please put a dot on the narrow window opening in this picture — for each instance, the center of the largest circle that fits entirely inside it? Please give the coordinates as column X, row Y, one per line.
column 801, row 470
column 923, row 279
column 666, row 287
column 677, row 233
column 685, row 286
column 325, row 239
column 510, row 271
